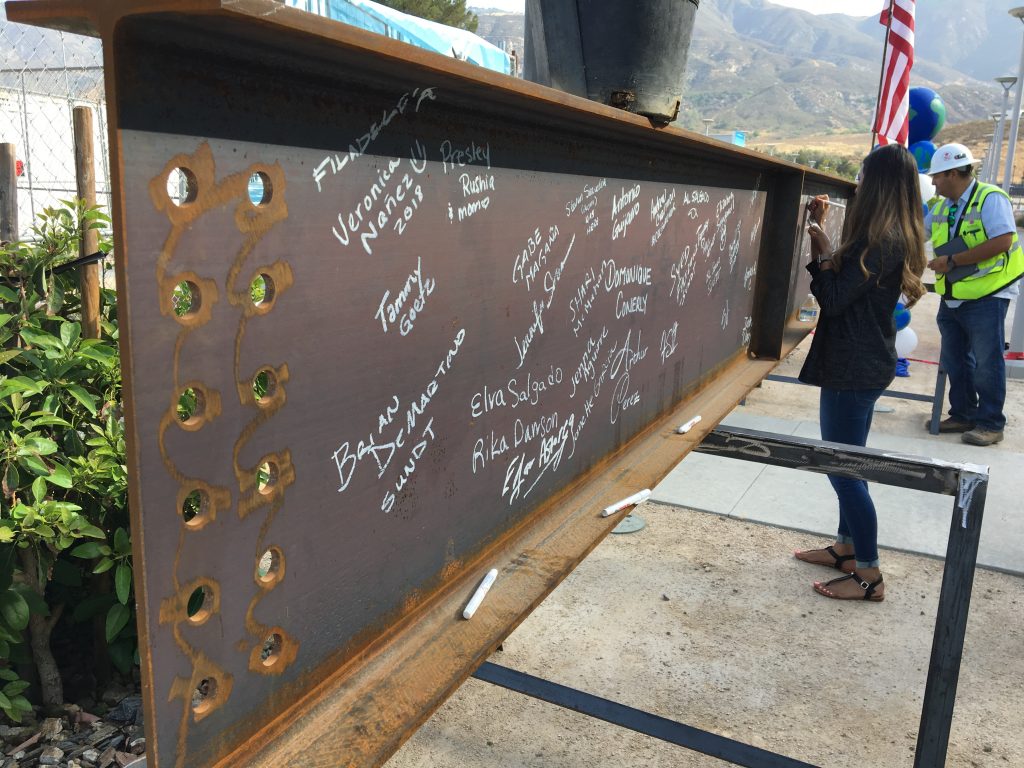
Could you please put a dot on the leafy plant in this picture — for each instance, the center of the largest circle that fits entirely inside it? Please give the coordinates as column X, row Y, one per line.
column 63, row 507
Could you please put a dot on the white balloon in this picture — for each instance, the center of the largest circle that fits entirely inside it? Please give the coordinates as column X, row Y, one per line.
column 906, row 342
column 927, row 187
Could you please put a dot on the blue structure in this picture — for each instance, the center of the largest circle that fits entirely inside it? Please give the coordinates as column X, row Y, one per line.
column 448, row 41
column 739, row 138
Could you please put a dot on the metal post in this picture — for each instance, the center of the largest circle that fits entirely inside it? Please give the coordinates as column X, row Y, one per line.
column 1007, row 83
column 990, row 163
column 967, row 483
column 8, row 193
column 1017, row 13
column 1015, row 356
column 28, row 149
column 951, row 619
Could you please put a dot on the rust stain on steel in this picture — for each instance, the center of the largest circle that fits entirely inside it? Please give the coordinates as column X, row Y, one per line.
column 473, row 337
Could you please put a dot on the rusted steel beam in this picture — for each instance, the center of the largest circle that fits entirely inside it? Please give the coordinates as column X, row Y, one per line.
column 432, row 319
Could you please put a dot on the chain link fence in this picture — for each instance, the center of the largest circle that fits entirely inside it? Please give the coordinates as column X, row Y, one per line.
column 44, row 75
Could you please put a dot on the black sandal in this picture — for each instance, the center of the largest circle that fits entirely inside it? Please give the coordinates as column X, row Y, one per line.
column 839, row 559
column 869, row 588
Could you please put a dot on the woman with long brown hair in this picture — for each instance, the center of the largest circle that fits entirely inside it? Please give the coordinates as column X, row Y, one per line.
column 853, row 352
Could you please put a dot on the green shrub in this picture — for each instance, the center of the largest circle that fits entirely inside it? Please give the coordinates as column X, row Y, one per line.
column 63, row 509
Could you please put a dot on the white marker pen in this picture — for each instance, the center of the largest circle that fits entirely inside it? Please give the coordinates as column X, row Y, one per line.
column 480, row 594
column 689, row 425
column 833, row 202
column 618, row 506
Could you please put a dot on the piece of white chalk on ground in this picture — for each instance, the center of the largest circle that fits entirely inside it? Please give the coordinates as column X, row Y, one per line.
column 689, row 425
column 629, row 501
column 480, row 594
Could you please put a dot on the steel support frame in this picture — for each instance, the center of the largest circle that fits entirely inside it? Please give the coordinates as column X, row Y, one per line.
column 730, row 750
column 967, row 483
column 937, row 399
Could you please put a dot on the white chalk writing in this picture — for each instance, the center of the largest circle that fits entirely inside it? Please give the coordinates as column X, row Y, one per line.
column 627, row 204
column 663, row 207
column 453, row 158
column 634, row 305
column 392, row 311
column 669, row 342
column 371, row 219
column 585, row 371
column 713, row 275
column 748, row 276
column 682, row 273
column 536, row 328
column 723, row 211
column 617, row 277
column 335, row 162
column 533, row 256
column 583, row 299
column 382, row 447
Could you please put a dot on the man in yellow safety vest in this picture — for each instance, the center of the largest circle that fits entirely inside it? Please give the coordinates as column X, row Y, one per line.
column 978, row 264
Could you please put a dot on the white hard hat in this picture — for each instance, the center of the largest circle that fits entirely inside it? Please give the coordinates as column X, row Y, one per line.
column 950, row 156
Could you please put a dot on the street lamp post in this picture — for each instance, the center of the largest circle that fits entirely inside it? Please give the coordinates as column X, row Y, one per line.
column 1007, row 82
column 1015, row 361
column 1017, row 13
column 707, row 124
column 990, row 164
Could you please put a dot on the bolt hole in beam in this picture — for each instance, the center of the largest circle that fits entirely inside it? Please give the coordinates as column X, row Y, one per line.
column 260, row 189
column 204, row 695
column 271, row 653
column 185, row 299
column 182, row 187
column 191, row 406
column 266, row 477
column 199, row 604
column 195, row 508
column 270, row 567
column 262, row 291
column 264, row 385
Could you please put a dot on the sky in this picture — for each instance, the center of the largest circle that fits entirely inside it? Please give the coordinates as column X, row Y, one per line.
column 851, row 7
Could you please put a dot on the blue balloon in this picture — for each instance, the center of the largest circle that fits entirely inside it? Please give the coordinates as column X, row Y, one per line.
column 922, row 152
column 927, row 114
column 901, row 315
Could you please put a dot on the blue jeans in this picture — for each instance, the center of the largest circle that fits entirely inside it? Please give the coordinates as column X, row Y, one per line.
column 845, row 416
column 972, row 356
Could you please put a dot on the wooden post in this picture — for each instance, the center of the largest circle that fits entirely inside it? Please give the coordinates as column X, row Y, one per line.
column 8, row 194
column 88, row 274
column 89, row 284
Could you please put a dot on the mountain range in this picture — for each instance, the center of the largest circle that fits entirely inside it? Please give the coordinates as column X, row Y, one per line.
column 776, row 71
column 754, row 66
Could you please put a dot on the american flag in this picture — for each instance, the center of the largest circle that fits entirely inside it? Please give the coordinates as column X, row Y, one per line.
column 893, row 99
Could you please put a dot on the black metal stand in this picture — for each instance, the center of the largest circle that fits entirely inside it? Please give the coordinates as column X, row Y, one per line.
column 967, row 483
column 735, row 752
column 937, row 399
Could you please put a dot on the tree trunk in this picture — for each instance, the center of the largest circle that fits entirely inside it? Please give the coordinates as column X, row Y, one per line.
column 101, row 666
column 40, row 628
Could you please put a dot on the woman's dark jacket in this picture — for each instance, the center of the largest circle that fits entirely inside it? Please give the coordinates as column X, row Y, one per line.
column 854, row 344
